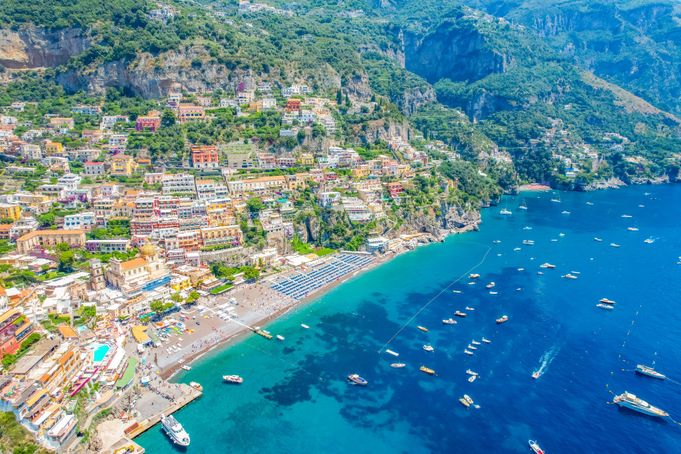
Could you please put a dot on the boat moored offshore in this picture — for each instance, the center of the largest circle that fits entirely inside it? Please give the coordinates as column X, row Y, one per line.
column 649, row 372
column 427, row 370
column 234, row 379
column 534, row 446
column 630, row 401
column 502, row 319
column 355, row 379
column 449, row 321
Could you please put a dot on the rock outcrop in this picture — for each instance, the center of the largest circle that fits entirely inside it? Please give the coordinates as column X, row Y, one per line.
column 31, row 47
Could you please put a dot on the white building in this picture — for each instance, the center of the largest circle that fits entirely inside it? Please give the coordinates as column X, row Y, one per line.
column 180, row 183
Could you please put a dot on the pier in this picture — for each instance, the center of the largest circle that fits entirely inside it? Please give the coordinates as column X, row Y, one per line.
column 139, row 427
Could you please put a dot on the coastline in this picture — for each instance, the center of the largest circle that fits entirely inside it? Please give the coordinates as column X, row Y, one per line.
column 171, row 371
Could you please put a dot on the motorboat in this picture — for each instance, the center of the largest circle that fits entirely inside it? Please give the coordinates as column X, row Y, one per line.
column 280, row 337
column 185, row 367
column 468, row 308
column 505, row 212
column 398, row 365
column 471, row 347
column 569, row 276
column 428, row 348
column 547, row 265
column 598, row 239
column 473, row 276
column 486, row 341
column 607, row 307
column 490, row 285
column 468, row 352
column 449, row 321
column 502, row 319
column 471, row 372
column 606, row 301
column 528, row 242
column 234, row 379
column 355, row 379
column 472, row 378
column 427, row 370
column 534, row 446
column 474, row 342
column 422, row 328
column 460, row 314
column 615, row 245
column 304, row 326
column 630, row 401
column 632, row 229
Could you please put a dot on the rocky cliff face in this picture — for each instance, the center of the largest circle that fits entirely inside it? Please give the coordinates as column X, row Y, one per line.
column 454, row 52
column 37, row 48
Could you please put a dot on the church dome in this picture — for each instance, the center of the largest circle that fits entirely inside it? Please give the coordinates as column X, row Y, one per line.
column 148, row 250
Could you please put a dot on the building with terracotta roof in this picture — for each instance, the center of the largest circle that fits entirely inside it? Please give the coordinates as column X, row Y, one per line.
column 14, row 328
column 139, row 274
column 48, row 239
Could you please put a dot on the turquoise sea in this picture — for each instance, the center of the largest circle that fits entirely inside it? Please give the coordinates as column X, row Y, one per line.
column 296, row 399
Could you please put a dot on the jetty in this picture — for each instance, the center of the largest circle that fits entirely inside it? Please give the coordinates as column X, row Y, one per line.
column 139, row 427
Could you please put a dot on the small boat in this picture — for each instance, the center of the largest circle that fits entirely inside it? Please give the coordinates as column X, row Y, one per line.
column 490, row 285
column 398, row 365
column 468, row 308
column 522, row 207
column 449, row 321
column 569, row 276
column 649, row 372
column 502, row 319
column 516, row 249
column 632, row 229
column 627, row 216
column 536, row 374
column 487, row 341
column 493, row 292
column 505, row 212
column 427, row 370
column 547, row 265
column 471, row 347
column 555, row 200
column 598, row 239
column 460, row 314
column 534, row 446
column 528, row 242
column 185, row 367
column 428, row 348
column 280, row 337
column 614, row 245
column 630, row 401
column 606, row 301
column 472, row 378
column 474, row 342
column 527, row 227
column 607, row 307
column 197, row 386
column 456, row 291
column 561, row 234
column 470, row 372
column 422, row 328
column 355, row 379
column 590, row 203
column 473, row 276
column 649, row 241
column 264, row 333
column 468, row 352
column 235, row 379
column 466, row 400
column 390, row 352
column 304, row 326
column 640, row 205
column 521, row 269
column 496, row 241
column 565, row 212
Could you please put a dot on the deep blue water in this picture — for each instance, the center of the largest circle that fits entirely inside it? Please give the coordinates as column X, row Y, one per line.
column 295, row 397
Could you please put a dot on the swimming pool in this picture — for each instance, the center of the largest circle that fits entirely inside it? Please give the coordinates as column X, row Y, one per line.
column 99, row 352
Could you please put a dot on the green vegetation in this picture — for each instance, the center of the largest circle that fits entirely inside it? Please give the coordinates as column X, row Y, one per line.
column 160, row 307
column 16, row 439
column 11, row 358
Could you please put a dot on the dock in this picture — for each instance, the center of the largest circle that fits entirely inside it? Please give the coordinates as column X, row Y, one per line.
column 139, row 427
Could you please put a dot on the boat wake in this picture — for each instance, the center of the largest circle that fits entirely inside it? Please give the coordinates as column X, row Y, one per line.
column 546, row 360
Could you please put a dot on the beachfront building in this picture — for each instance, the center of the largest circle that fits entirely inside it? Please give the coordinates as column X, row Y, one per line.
column 139, row 274
column 48, row 239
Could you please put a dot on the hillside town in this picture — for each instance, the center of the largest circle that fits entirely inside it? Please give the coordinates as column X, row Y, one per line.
column 119, row 267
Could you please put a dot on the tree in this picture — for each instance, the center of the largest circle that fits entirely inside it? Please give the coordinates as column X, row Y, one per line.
column 66, row 261
column 255, row 206
column 193, row 296
column 250, row 273
column 167, row 118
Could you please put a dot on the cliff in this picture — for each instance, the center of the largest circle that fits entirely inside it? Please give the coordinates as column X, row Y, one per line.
column 33, row 47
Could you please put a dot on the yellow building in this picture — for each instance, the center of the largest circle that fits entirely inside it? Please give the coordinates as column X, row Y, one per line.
column 48, row 239
column 9, row 211
column 122, row 164
column 179, row 283
column 361, row 171
column 306, row 159
column 139, row 274
column 53, row 148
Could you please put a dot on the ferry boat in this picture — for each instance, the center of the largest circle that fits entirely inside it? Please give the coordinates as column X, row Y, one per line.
column 649, row 372
column 505, row 212
column 234, row 379
column 630, row 401
column 606, row 301
column 398, row 365
column 502, row 319
column 490, row 285
column 528, row 242
column 174, row 430
column 355, row 379
column 427, row 370
column 487, row 341
column 534, row 446
column 449, row 321
column 460, row 314
column 607, row 307
column 473, row 276
column 468, row 352
column 598, row 239
column 422, row 328
column 428, row 348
